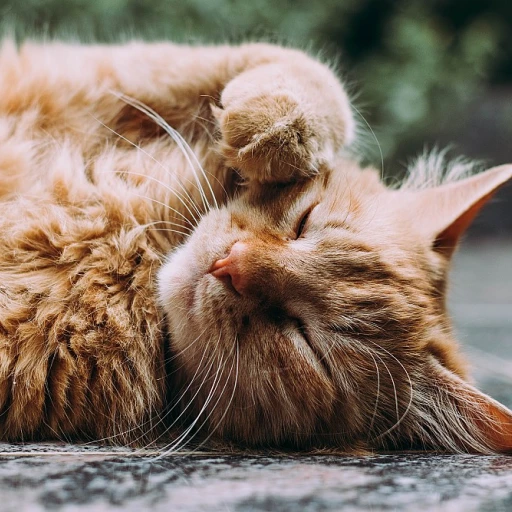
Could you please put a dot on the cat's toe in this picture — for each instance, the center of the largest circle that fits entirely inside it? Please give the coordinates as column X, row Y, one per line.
column 269, row 139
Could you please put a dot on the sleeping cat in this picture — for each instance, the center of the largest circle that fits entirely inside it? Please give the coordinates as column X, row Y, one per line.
column 234, row 277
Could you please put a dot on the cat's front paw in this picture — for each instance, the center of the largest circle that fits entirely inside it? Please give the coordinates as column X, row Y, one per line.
column 270, row 138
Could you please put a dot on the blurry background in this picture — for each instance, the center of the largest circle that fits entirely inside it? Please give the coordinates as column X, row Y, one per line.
column 423, row 74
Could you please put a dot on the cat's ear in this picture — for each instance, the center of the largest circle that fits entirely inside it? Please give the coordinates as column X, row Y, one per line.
column 465, row 418
column 444, row 213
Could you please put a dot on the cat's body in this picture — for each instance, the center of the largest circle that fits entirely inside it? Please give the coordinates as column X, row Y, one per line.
column 307, row 312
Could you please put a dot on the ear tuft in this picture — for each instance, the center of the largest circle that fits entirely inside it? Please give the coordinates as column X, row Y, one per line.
column 445, row 212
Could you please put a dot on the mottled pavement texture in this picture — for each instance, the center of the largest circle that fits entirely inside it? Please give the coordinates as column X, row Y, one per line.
column 75, row 478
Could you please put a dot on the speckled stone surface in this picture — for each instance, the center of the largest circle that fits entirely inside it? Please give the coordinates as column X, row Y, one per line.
column 97, row 482
column 92, row 478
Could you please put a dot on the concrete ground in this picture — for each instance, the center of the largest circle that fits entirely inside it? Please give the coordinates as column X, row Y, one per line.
column 481, row 305
column 75, row 478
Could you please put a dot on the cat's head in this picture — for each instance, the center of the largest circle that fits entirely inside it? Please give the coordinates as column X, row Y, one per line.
column 313, row 314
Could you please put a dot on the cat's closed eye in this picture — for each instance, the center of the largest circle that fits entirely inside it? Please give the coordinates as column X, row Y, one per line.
column 303, row 222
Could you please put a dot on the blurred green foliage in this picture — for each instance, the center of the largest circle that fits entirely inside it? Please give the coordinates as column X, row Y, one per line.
column 417, row 66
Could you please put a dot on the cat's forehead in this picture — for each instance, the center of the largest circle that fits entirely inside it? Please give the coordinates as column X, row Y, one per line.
column 277, row 204
column 350, row 208
column 342, row 190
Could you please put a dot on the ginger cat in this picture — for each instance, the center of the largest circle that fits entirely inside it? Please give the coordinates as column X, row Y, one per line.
column 186, row 251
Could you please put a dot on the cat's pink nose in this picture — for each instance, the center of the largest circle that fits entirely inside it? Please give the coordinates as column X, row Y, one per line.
column 230, row 267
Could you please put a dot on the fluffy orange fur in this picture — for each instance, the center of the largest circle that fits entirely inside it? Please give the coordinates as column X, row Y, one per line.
column 186, row 250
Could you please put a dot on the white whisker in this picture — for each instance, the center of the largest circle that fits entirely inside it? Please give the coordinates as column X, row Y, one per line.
column 220, row 396
column 183, row 436
column 191, row 401
column 165, row 206
column 168, row 172
column 175, row 224
column 394, row 386
column 401, row 418
column 374, row 136
column 196, row 220
column 378, row 392
column 180, row 141
column 167, row 412
column 226, row 409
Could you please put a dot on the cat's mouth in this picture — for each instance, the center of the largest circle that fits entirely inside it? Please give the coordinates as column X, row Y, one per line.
column 248, row 316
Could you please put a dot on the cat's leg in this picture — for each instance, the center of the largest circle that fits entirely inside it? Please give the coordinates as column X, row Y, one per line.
column 283, row 117
column 281, row 113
